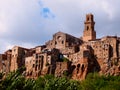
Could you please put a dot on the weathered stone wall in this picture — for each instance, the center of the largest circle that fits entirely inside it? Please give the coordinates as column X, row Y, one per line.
column 80, row 69
column 39, row 49
column 41, row 63
column 5, row 63
column 100, row 48
column 112, row 40
column 62, row 68
column 62, row 41
column 18, row 57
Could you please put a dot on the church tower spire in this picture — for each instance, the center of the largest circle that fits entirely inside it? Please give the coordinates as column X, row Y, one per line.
column 89, row 33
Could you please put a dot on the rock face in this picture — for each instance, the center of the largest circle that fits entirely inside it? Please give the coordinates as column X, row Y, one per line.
column 62, row 69
column 66, row 55
column 81, row 69
column 111, row 67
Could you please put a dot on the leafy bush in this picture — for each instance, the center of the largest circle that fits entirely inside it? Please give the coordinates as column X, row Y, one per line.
column 16, row 81
column 65, row 59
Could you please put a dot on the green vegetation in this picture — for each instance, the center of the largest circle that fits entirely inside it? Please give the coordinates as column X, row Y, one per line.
column 65, row 59
column 47, row 64
column 16, row 81
column 65, row 73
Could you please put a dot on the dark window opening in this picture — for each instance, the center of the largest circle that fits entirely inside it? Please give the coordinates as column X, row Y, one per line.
column 55, row 42
column 33, row 65
column 62, row 42
column 39, row 66
column 70, row 44
column 36, row 68
column 87, row 27
column 36, row 55
column 119, row 68
column 78, row 66
column 87, row 18
column 82, row 68
column 36, row 61
column 77, row 49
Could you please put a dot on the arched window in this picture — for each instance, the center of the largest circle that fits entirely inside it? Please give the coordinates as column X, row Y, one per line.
column 87, row 18
column 82, row 68
column 87, row 27
column 78, row 66
column 62, row 42
column 55, row 42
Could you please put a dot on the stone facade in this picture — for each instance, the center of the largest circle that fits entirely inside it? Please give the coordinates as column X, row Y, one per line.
column 5, row 61
column 64, row 42
column 17, row 57
column 62, row 68
column 42, row 62
column 67, row 55
column 89, row 32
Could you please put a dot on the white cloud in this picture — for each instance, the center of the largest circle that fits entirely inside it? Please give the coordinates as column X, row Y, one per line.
column 24, row 22
column 108, row 9
column 5, row 45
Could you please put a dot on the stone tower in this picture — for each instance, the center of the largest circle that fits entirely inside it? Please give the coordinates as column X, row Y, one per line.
column 89, row 33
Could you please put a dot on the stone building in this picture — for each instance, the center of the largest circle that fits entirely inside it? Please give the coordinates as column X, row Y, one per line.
column 82, row 62
column 5, row 61
column 42, row 62
column 3, row 58
column 17, row 57
column 67, row 55
column 64, row 42
column 62, row 69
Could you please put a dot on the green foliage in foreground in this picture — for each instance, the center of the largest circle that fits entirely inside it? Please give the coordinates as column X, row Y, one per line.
column 16, row 81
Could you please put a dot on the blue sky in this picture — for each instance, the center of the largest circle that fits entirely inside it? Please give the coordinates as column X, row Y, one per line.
column 30, row 23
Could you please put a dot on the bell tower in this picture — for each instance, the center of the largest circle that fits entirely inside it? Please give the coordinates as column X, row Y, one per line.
column 89, row 33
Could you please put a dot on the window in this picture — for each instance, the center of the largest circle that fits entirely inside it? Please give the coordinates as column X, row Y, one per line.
column 62, row 42
column 78, row 66
column 33, row 65
column 87, row 18
column 82, row 68
column 39, row 66
column 36, row 68
column 59, row 37
column 24, row 53
column 87, row 27
column 55, row 42
column 36, row 55
column 39, row 61
column 36, row 61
